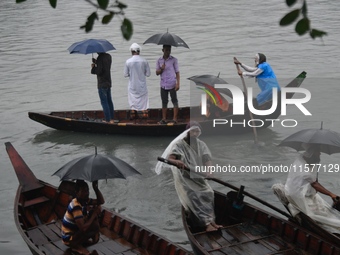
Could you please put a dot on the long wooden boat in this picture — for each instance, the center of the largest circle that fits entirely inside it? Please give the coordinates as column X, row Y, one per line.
column 248, row 229
column 91, row 121
column 39, row 208
column 308, row 223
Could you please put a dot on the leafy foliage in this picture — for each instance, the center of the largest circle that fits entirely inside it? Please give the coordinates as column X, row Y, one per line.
column 107, row 18
column 53, row 3
column 290, row 2
column 90, row 21
column 316, row 33
column 126, row 29
column 303, row 25
column 290, row 17
column 111, row 10
column 117, row 9
column 103, row 4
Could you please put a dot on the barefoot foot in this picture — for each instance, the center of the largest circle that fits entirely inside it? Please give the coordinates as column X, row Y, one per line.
column 216, row 225
column 210, row 228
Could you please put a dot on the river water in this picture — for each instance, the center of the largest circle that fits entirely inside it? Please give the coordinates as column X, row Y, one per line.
column 38, row 74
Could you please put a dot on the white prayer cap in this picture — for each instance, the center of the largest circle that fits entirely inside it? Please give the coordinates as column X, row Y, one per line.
column 135, row 47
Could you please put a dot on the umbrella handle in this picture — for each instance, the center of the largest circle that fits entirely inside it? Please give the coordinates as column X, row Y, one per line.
column 246, row 93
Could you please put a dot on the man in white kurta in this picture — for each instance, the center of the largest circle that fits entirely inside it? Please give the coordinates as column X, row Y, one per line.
column 137, row 69
column 302, row 187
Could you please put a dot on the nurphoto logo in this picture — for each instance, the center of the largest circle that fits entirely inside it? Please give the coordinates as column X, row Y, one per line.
column 239, row 104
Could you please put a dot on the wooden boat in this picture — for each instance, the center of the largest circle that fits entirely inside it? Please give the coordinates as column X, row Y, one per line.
column 91, row 121
column 39, row 208
column 251, row 230
column 310, row 224
column 304, row 220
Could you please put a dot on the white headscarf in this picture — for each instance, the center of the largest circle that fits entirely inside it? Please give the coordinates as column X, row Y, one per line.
column 257, row 59
column 160, row 165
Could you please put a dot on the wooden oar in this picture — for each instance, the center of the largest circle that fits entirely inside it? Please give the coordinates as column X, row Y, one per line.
column 170, row 162
column 246, row 93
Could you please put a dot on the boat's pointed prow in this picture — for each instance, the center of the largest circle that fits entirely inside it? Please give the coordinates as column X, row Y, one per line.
column 26, row 177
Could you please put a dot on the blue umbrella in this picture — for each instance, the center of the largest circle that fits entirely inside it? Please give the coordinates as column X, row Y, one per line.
column 91, row 46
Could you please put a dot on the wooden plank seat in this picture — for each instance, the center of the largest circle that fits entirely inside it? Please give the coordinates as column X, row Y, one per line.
column 37, row 236
column 116, row 245
column 45, row 233
column 35, row 201
column 49, row 233
column 243, row 239
column 47, row 237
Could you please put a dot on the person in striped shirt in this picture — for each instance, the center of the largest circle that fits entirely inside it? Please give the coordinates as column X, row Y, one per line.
column 80, row 225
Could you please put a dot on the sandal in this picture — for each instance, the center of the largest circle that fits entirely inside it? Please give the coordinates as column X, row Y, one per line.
column 173, row 121
column 162, row 122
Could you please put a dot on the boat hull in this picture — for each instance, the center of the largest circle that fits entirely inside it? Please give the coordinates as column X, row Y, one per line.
column 251, row 230
column 227, row 123
column 69, row 121
column 39, row 208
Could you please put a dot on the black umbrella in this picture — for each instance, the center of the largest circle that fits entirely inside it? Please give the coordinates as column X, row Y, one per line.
column 167, row 39
column 329, row 141
column 208, row 79
column 206, row 82
column 95, row 167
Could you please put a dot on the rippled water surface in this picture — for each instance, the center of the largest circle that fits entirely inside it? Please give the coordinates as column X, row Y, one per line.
column 38, row 74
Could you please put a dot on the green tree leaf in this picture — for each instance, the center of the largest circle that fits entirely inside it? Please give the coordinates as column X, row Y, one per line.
column 107, row 18
column 304, row 9
column 290, row 17
column 121, row 6
column 103, row 4
column 53, row 3
column 290, row 2
column 90, row 21
column 92, row 17
column 127, row 29
column 302, row 26
column 316, row 33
